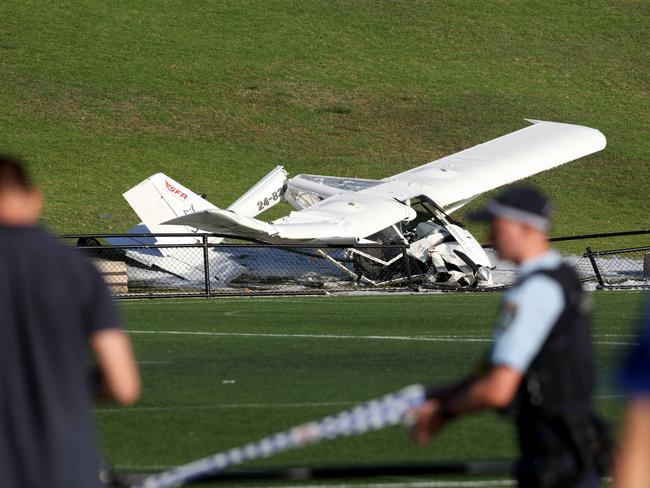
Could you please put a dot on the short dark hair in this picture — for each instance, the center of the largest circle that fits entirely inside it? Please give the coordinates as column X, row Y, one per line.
column 13, row 174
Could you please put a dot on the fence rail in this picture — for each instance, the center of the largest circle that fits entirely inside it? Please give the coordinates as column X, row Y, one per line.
column 200, row 265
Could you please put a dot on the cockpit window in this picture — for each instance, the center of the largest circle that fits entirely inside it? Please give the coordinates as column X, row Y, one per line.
column 425, row 211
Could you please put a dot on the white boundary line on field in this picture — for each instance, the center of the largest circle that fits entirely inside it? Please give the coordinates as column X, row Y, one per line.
column 316, row 336
column 227, row 406
column 444, row 338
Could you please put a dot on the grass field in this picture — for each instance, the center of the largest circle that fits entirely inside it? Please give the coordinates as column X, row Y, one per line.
column 219, row 373
column 99, row 95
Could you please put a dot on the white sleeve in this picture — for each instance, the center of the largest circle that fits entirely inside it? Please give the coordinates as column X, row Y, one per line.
column 526, row 321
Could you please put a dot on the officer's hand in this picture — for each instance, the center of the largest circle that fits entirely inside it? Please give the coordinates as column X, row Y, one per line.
column 426, row 421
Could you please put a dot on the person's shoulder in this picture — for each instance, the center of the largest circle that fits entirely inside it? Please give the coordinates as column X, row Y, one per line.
column 52, row 248
column 565, row 275
column 51, row 244
column 23, row 233
column 539, row 282
column 553, row 266
column 540, row 290
column 32, row 240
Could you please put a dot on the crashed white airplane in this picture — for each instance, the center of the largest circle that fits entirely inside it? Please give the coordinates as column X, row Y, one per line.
column 412, row 207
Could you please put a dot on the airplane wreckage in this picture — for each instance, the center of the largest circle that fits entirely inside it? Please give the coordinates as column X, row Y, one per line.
column 411, row 209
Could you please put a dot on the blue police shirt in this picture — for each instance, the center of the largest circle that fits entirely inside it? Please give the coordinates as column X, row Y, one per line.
column 635, row 375
column 528, row 312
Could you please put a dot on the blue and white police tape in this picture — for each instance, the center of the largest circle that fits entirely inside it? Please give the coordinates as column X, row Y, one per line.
column 374, row 415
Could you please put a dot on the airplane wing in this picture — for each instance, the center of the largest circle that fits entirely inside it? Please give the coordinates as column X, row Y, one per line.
column 346, row 218
column 454, row 180
column 349, row 217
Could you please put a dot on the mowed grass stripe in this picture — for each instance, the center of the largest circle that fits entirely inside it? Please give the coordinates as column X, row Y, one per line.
column 448, row 314
column 402, row 484
column 414, row 484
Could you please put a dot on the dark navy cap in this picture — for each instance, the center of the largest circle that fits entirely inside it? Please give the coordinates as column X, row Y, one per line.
column 521, row 203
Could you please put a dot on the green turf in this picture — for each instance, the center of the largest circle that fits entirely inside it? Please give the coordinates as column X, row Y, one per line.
column 99, row 95
column 188, row 378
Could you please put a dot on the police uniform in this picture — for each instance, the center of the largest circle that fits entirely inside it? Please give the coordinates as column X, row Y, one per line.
column 543, row 332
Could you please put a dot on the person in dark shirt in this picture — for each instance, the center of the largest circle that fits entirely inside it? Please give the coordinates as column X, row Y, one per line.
column 54, row 308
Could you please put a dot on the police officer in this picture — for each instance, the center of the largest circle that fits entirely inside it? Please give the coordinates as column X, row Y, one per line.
column 540, row 369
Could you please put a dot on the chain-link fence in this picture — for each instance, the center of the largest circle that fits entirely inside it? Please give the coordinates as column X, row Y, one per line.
column 174, row 265
column 200, row 267
column 627, row 267
column 614, row 269
column 618, row 268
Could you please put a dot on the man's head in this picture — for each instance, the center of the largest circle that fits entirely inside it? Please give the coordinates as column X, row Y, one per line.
column 520, row 218
column 20, row 202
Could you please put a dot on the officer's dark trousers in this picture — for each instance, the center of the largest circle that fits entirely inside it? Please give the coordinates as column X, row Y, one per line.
column 547, row 460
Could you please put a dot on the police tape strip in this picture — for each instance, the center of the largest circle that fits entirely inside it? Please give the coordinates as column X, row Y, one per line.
column 374, row 415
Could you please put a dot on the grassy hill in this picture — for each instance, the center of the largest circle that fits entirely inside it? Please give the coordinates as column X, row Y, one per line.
column 99, row 95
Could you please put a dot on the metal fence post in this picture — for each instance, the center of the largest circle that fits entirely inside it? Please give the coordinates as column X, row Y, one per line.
column 407, row 266
column 589, row 254
column 206, row 265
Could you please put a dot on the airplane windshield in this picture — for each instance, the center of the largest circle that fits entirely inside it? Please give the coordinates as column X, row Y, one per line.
column 425, row 210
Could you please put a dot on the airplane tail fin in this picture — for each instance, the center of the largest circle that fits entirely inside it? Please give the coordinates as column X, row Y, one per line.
column 159, row 198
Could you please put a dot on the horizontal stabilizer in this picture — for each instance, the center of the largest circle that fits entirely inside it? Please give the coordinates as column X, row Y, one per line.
column 265, row 194
column 225, row 222
column 344, row 218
